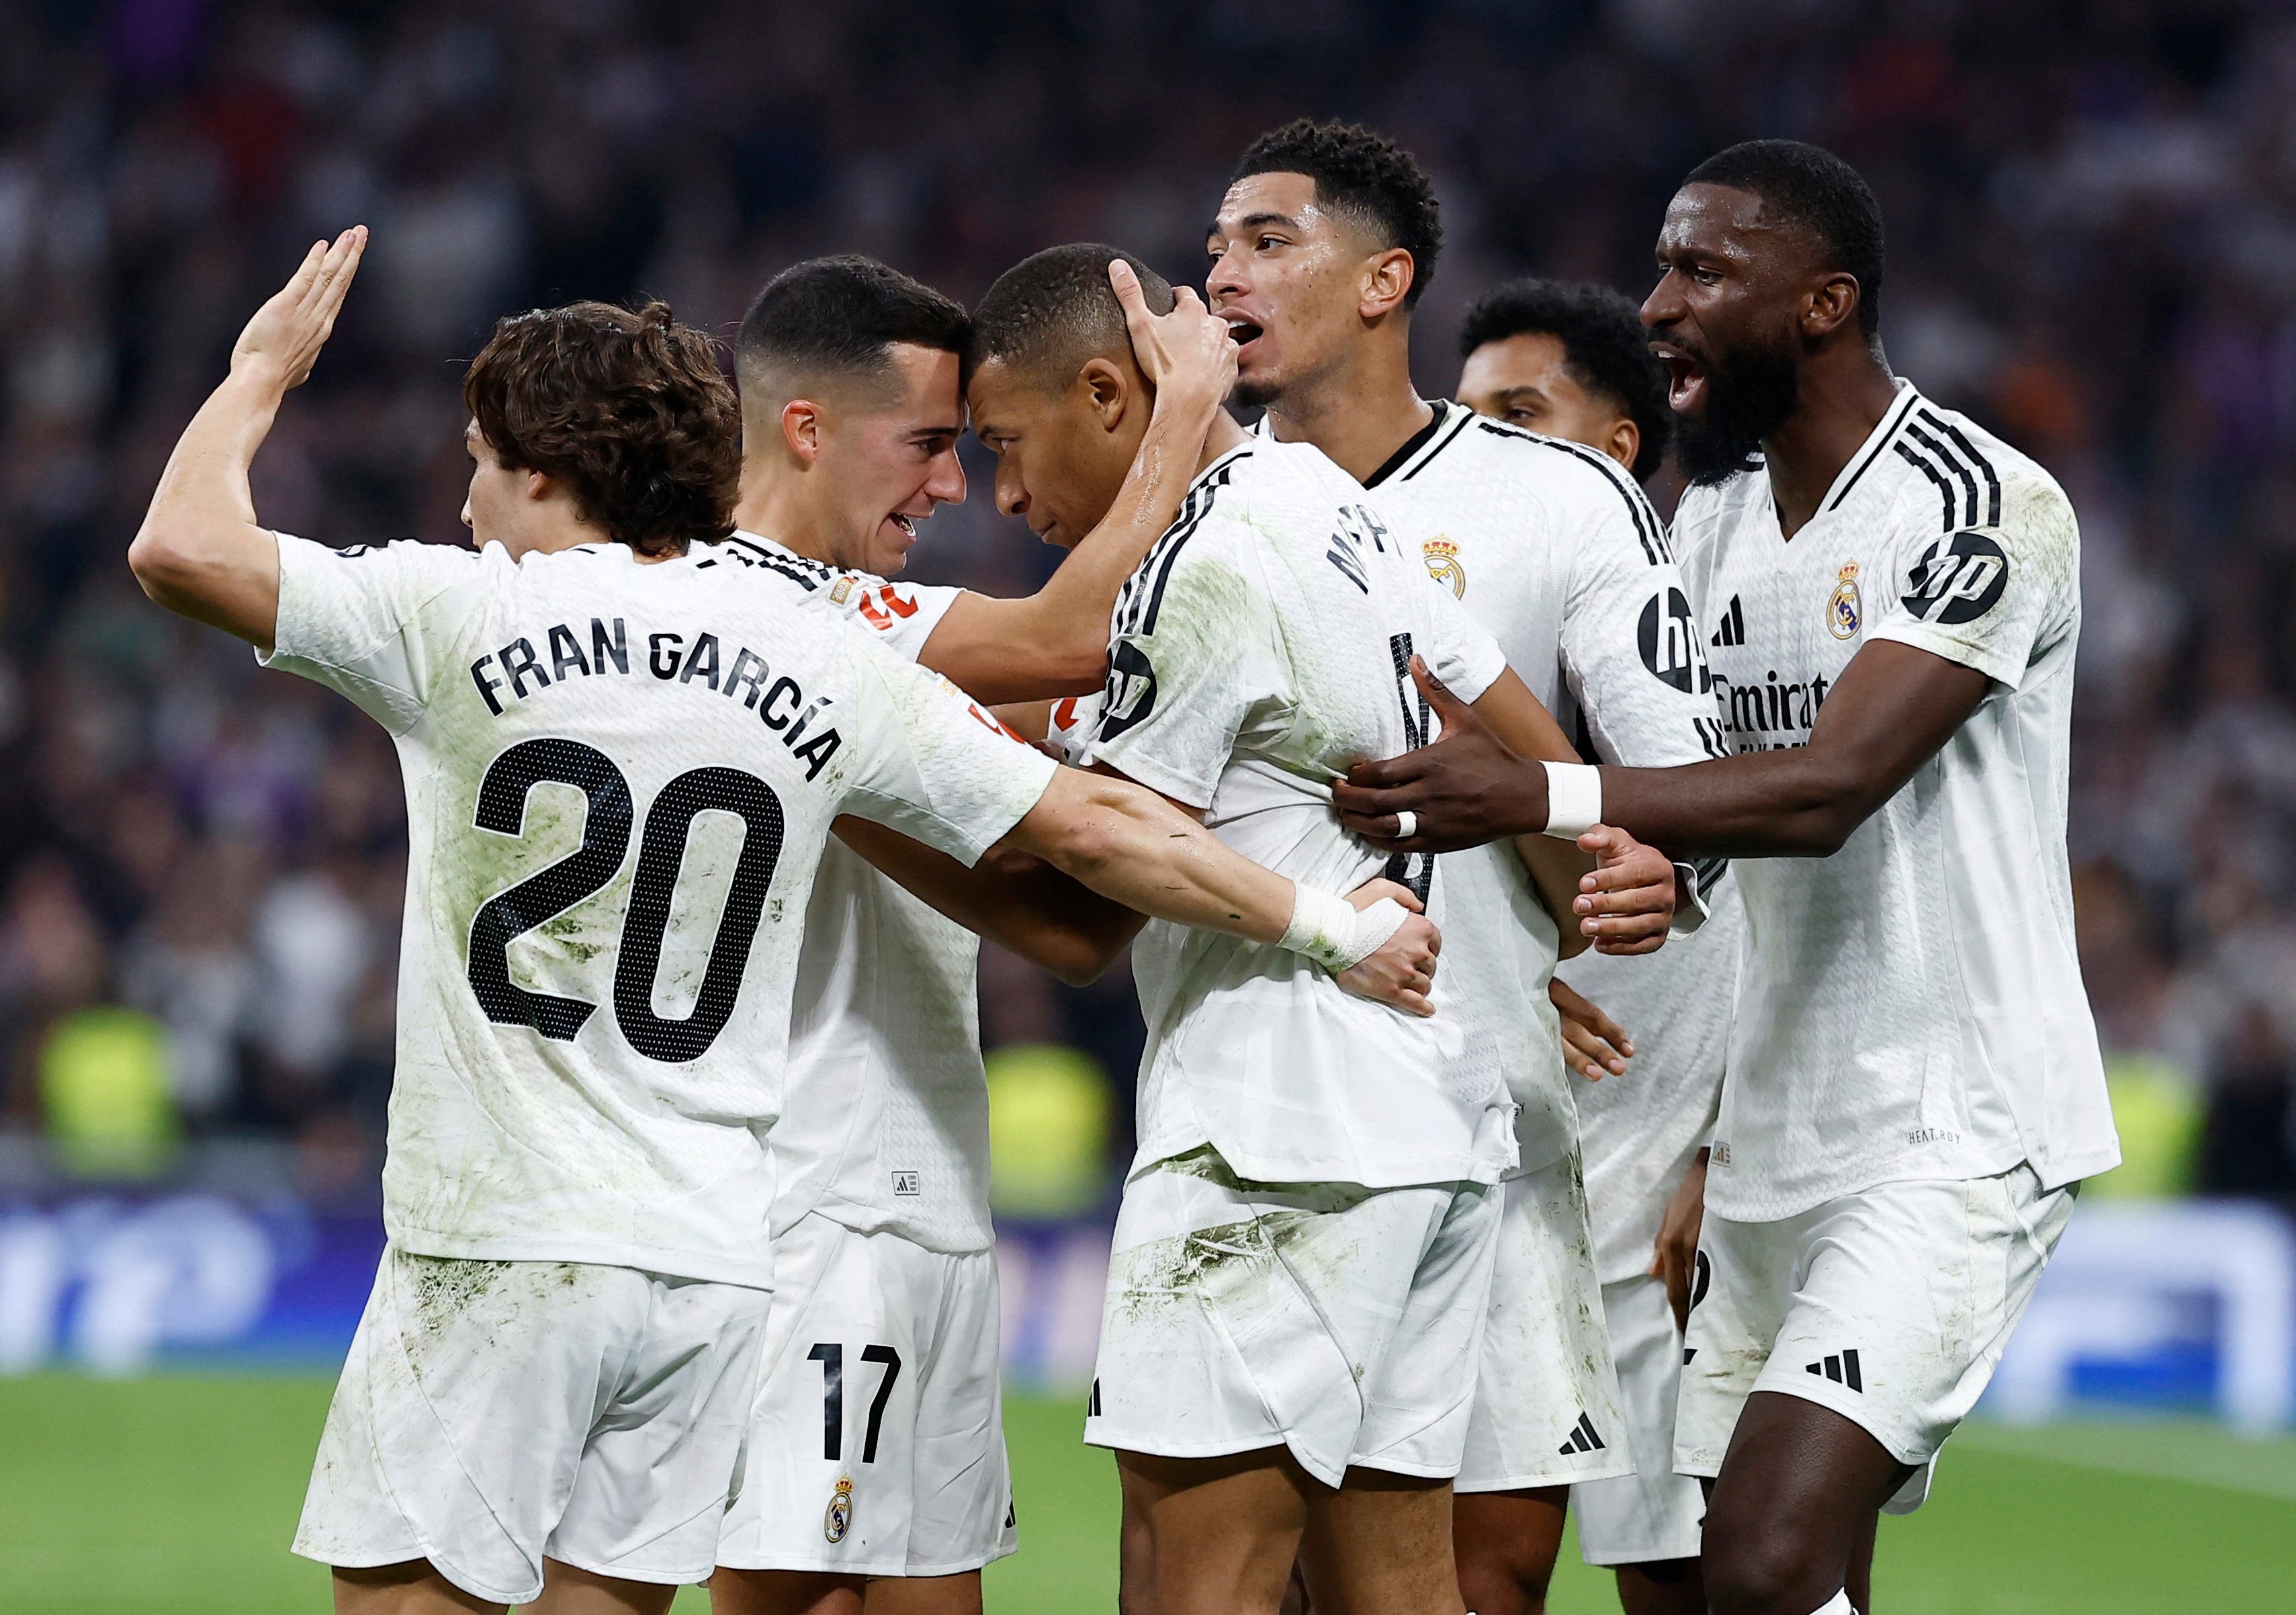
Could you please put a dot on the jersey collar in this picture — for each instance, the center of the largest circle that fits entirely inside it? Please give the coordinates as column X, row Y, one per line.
column 1877, row 441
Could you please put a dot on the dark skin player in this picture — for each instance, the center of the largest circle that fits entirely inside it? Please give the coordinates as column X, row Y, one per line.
column 1761, row 338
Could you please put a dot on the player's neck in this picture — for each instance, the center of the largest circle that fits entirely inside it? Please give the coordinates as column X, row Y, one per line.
column 1843, row 398
column 1360, row 413
column 1224, row 435
column 772, row 504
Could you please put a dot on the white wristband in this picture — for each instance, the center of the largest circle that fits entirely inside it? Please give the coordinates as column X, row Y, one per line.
column 1574, row 798
column 1334, row 933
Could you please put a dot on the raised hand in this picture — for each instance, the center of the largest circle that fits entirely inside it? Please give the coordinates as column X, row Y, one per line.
column 1592, row 1042
column 283, row 342
column 1465, row 789
column 1626, row 903
column 1187, row 354
column 1402, row 971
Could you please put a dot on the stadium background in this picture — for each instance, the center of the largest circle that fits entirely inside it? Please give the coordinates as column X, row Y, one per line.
column 2092, row 212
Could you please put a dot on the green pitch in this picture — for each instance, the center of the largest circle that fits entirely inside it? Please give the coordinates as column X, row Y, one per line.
column 178, row 1494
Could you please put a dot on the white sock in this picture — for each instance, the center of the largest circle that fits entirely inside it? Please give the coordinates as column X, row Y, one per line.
column 1838, row 1604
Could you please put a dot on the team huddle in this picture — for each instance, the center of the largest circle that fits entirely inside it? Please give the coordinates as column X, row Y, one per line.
column 1615, row 1044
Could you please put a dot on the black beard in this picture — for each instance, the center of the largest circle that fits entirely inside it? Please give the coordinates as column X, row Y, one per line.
column 1745, row 402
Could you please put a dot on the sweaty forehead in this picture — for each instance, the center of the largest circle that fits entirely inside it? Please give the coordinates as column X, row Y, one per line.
column 1732, row 223
column 1259, row 198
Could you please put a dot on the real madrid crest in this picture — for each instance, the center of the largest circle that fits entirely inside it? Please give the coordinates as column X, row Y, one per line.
column 839, row 1519
column 1844, row 612
column 1443, row 565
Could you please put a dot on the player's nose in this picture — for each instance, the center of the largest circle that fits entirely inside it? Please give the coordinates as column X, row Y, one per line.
column 945, row 483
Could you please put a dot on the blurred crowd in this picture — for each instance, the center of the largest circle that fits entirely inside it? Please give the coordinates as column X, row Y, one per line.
column 2092, row 214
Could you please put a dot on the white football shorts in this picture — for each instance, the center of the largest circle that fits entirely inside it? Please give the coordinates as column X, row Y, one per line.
column 1653, row 1514
column 877, row 1447
column 1547, row 1409
column 1891, row 1306
column 492, row 1413
column 1337, row 1321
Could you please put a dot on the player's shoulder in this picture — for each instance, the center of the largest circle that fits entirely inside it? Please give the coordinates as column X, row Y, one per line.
column 1587, row 494
column 768, row 563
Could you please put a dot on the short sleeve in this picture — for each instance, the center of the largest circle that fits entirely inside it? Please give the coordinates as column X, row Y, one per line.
column 934, row 765
column 903, row 616
column 1460, row 651
column 378, row 624
column 1992, row 598
column 1194, row 638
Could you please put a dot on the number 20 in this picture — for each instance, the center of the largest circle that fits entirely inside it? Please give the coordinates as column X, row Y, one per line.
column 549, row 892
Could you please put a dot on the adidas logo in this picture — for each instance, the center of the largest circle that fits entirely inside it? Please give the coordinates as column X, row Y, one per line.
column 1842, row 1370
column 1093, row 1407
column 1733, row 631
column 1583, row 1438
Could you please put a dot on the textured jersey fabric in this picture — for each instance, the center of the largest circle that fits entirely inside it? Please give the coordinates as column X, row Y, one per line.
column 1911, row 1007
column 620, row 778
column 1552, row 546
column 1261, row 648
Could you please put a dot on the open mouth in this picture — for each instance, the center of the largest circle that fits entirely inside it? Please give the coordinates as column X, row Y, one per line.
column 907, row 524
column 1686, row 378
column 1245, row 331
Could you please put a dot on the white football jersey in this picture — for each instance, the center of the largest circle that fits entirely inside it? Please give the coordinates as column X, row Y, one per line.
column 1639, row 1132
column 1261, row 649
column 619, row 779
column 886, row 1126
column 1552, row 546
column 1911, row 1007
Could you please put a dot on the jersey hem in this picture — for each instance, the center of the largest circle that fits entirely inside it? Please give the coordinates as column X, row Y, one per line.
column 593, row 1253
column 1801, row 1205
column 903, row 1571
column 1261, row 1170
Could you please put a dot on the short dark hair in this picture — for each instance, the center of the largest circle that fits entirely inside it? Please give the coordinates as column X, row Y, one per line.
column 834, row 318
column 1603, row 347
column 1055, row 311
column 1823, row 194
column 1363, row 175
column 627, row 407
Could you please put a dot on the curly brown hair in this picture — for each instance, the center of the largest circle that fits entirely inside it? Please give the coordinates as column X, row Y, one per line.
column 627, row 407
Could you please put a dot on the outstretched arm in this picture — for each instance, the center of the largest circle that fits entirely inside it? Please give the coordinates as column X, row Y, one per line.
column 1054, row 642
column 1012, row 898
column 1896, row 705
column 1130, row 844
column 1641, row 880
column 200, row 550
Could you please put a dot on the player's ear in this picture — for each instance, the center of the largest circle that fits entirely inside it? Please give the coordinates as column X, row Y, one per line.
column 1832, row 303
column 538, row 486
column 802, row 428
column 1106, row 390
column 1623, row 442
column 1388, row 278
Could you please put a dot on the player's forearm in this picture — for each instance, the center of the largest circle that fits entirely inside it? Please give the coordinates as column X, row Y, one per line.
column 201, row 550
column 1014, row 900
column 1802, row 803
column 1054, row 642
column 1131, row 846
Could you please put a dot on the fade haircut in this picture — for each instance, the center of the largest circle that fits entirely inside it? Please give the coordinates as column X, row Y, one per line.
column 1364, row 177
column 626, row 408
column 1050, row 314
column 1604, row 349
column 1814, row 189
column 831, row 320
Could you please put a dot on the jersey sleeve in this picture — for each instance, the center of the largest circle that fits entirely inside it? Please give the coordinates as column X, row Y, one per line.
column 378, row 624
column 901, row 615
column 1634, row 652
column 1992, row 598
column 1460, row 651
column 935, row 766
column 1195, row 639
